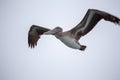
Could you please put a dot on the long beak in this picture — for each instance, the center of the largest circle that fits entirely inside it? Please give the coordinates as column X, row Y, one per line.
column 48, row 32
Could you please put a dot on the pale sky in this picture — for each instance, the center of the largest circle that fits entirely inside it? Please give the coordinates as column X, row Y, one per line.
column 51, row 59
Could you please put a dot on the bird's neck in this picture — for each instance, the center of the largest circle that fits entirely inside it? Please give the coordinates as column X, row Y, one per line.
column 58, row 35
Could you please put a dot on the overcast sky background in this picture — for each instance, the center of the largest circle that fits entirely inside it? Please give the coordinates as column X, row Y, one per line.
column 51, row 59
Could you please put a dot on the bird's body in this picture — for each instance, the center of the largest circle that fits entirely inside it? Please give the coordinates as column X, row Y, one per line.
column 68, row 40
column 71, row 37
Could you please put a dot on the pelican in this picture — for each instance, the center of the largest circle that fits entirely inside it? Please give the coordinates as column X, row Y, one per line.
column 71, row 37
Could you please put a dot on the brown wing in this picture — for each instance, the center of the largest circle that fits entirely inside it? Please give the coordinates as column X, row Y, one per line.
column 91, row 18
column 34, row 34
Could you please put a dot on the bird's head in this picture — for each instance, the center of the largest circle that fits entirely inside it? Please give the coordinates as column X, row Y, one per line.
column 54, row 31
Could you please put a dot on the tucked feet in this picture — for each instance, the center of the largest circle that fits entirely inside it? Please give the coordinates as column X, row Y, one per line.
column 83, row 47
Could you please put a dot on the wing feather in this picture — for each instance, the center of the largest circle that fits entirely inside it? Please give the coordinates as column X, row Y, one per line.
column 34, row 34
column 91, row 18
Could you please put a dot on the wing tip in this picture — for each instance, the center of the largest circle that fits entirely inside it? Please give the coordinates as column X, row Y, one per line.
column 119, row 22
column 114, row 19
column 32, row 42
column 32, row 45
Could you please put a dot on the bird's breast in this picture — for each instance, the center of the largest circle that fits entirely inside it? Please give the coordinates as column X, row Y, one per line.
column 70, row 42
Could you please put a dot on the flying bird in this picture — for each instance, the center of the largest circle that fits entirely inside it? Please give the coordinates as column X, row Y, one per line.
column 71, row 37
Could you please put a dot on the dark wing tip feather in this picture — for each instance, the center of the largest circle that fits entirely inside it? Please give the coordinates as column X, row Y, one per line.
column 32, row 39
column 116, row 20
column 113, row 19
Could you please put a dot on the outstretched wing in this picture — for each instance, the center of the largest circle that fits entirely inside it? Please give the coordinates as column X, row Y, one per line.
column 91, row 18
column 34, row 34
